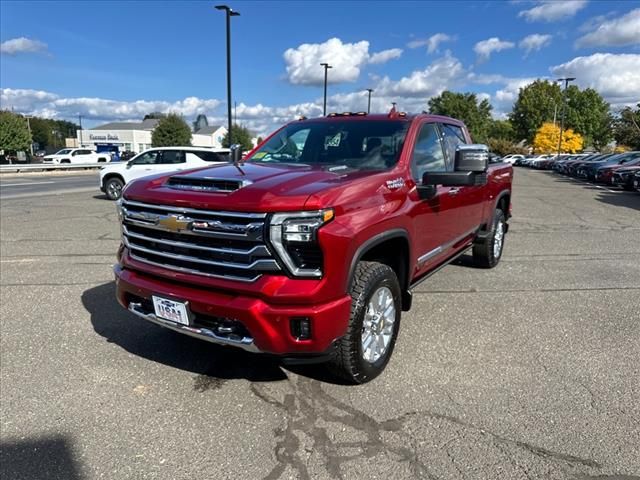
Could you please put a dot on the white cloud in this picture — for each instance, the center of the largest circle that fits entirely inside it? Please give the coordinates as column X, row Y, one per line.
column 432, row 43
column 347, row 59
column 615, row 77
column 410, row 92
column 553, row 10
column 534, row 42
column 385, row 55
column 16, row 46
column 617, row 32
column 47, row 104
column 433, row 80
column 485, row 48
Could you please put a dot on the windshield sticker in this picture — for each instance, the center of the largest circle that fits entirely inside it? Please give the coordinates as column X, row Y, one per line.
column 333, row 142
column 259, row 155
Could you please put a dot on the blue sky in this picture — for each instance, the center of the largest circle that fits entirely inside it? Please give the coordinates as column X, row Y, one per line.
column 114, row 60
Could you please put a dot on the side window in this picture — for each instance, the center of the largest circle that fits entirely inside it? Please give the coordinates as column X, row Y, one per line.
column 427, row 153
column 452, row 136
column 147, row 158
column 206, row 156
column 172, row 156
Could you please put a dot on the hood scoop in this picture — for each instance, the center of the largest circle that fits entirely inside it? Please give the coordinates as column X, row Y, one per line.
column 206, row 184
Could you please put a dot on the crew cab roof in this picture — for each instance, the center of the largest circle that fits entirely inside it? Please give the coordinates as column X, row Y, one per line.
column 363, row 116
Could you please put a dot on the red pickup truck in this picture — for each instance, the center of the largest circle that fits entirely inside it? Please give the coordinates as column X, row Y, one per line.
column 310, row 246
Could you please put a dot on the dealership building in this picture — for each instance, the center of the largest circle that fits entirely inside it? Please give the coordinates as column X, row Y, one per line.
column 136, row 136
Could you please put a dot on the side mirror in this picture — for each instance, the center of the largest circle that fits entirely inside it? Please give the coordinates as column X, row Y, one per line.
column 129, row 164
column 472, row 158
column 235, row 153
column 470, row 169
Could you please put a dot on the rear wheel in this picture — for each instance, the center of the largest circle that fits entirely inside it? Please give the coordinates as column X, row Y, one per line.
column 488, row 254
column 364, row 351
column 113, row 188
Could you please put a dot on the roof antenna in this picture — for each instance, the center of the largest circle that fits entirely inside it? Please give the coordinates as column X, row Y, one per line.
column 392, row 112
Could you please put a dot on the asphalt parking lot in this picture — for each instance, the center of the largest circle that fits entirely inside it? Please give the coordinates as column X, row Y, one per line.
column 530, row 370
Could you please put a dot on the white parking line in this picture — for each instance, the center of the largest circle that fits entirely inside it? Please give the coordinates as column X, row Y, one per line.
column 21, row 184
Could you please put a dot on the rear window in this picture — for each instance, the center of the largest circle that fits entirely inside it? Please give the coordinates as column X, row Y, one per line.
column 210, row 156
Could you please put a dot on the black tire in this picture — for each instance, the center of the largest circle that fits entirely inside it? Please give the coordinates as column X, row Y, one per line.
column 484, row 254
column 113, row 188
column 348, row 361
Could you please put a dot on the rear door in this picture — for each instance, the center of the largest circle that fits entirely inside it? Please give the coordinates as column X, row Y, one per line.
column 467, row 202
column 82, row 156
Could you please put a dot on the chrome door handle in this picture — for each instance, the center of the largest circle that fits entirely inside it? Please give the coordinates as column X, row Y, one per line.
column 454, row 191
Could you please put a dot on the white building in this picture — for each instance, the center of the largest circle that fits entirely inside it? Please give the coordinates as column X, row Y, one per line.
column 127, row 136
column 136, row 136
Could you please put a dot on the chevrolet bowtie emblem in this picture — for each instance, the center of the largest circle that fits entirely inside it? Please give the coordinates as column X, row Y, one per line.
column 174, row 223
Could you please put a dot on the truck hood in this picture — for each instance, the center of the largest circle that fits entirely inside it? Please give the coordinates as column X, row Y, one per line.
column 252, row 187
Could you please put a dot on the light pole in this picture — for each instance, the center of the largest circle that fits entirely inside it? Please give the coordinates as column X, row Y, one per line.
column 29, row 127
column 326, row 67
column 369, row 102
column 80, row 121
column 566, row 81
column 229, row 13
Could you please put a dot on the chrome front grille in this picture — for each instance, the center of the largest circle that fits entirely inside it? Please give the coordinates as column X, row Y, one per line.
column 228, row 245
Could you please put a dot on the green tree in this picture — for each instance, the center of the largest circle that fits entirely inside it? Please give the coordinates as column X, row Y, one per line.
column 239, row 134
column 14, row 133
column 626, row 128
column 588, row 114
column 536, row 104
column 154, row 115
column 501, row 129
column 171, row 131
column 465, row 106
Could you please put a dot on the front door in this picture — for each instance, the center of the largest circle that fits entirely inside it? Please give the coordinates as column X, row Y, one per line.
column 433, row 217
column 468, row 202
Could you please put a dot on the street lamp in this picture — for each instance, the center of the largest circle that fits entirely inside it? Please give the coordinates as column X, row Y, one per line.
column 326, row 67
column 566, row 81
column 80, row 121
column 29, row 127
column 229, row 13
column 369, row 103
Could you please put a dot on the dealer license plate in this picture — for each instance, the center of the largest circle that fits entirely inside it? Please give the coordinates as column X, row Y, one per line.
column 171, row 310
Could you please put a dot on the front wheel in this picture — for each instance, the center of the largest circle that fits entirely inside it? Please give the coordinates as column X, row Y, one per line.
column 364, row 351
column 113, row 188
column 488, row 254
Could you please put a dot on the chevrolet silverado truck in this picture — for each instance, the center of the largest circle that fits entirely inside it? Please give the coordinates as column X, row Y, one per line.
column 309, row 248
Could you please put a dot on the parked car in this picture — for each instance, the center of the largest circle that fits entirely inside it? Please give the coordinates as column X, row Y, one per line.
column 636, row 181
column 624, row 177
column 76, row 155
column 512, row 158
column 115, row 176
column 310, row 248
column 571, row 168
column 589, row 170
column 604, row 173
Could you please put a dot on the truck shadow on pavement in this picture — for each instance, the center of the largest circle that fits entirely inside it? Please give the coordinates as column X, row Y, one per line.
column 214, row 364
column 45, row 458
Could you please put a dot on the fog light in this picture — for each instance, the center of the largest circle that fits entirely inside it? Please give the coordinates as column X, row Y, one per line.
column 301, row 328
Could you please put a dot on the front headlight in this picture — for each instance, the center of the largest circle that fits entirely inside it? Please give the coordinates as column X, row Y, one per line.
column 119, row 209
column 294, row 236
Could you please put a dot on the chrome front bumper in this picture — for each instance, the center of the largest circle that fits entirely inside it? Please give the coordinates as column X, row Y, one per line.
column 245, row 343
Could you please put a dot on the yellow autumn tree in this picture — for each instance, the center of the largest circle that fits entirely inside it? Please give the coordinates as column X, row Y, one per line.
column 546, row 140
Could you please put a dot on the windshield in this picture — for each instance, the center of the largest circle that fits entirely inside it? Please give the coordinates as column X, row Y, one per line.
column 361, row 145
column 64, row 151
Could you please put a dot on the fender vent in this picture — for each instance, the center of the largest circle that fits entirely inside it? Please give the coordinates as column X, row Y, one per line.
column 206, row 184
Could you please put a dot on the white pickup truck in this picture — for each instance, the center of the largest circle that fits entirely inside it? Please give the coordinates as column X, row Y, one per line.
column 114, row 177
column 77, row 155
